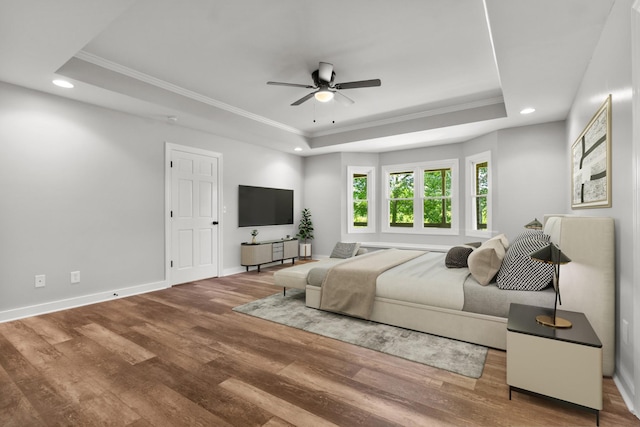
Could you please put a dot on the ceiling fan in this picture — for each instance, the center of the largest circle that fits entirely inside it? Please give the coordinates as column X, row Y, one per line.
column 326, row 89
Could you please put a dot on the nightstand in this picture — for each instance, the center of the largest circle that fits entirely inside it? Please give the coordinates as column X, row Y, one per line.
column 563, row 364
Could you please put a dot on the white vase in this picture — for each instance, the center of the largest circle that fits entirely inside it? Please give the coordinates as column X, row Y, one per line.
column 305, row 250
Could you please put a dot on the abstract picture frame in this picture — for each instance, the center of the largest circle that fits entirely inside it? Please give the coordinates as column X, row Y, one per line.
column 591, row 162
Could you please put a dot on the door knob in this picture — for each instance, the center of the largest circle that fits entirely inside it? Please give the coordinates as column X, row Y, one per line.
column 215, row 223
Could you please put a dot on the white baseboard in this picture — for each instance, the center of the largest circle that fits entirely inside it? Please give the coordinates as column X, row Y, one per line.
column 234, row 270
column 624, row 383
column 50, row 307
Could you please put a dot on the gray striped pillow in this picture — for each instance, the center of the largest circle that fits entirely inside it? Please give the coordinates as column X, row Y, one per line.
column 344, row 250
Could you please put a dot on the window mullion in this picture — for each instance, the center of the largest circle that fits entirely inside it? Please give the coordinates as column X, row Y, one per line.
column 418, row 198
column 443, row 192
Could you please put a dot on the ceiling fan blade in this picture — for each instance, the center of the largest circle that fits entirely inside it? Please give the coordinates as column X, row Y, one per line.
column 343, row 99
column 361, row 83
column 325, row 71
column 304, row 98
column 291, row 84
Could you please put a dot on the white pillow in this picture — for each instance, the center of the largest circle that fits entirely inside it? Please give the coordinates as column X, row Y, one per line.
column 485, row 261
column 503, row 239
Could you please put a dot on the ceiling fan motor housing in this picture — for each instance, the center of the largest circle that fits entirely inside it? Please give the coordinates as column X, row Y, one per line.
column 321, row 83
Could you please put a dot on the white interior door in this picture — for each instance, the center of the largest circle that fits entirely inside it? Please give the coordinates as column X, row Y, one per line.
column 194, row 216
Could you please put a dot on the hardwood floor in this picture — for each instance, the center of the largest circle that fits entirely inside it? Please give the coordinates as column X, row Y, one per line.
column 181, row 357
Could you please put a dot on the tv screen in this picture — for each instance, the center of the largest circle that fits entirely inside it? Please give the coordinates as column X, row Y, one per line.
column 264, row 206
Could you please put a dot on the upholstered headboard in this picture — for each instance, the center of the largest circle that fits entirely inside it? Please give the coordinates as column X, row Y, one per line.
column 587, row 283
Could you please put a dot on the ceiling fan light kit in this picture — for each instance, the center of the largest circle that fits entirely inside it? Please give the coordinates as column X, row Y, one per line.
column 326, row 89
column 324, row 95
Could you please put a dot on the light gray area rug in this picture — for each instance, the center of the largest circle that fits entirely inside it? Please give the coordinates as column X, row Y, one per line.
column 444, row 353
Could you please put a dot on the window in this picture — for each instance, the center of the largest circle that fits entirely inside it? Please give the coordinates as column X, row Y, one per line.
column 437, row 198
column 479, row 194
column 421, row 198
column 482, row 191
column 361, row 199
column 401, row 199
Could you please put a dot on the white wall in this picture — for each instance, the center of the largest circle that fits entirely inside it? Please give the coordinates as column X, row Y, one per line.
column 531, row 164
column 610, row 73
column 529, row 167
column 357, row 159
column 323, row 188
column 246, row 164
column 83, row 189
column 635, row 73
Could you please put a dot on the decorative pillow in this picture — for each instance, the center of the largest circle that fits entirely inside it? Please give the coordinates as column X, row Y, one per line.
column 485, row 261
column 457, row 256
column 473, row 244
column 531, row 234
column 344, row 250
column 502, row 238
column 362, row 251
column 520, row 272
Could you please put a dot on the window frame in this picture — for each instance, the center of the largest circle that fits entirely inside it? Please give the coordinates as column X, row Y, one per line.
column 370, row 172
column 418, row 170
column 471, row 196
column 442, row 197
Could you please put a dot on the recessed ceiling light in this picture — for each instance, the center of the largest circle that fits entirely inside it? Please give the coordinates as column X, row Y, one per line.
column 63, row 83
column 297, row 149
column 528, row 110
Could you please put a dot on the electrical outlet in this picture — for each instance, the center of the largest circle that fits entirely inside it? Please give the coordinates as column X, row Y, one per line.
column 40, row 281
column 625, row 331
column 75, row 277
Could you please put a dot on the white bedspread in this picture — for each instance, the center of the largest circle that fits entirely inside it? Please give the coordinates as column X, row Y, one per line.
column 424, row 280
column 350, row 287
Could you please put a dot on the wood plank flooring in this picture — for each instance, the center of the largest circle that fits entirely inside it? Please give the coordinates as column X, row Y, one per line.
column 182, row 357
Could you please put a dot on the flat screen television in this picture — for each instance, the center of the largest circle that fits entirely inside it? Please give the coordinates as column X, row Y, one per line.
column 264, row 206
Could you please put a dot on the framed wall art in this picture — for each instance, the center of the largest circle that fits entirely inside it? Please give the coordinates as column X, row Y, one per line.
column 591, row 162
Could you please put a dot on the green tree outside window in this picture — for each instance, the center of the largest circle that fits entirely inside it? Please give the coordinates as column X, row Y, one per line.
column 437, row 198
column 482, row 191
column 360, row 200
column 401, row 192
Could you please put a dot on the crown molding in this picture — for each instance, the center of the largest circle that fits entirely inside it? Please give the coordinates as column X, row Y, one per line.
column 162, row 84
column 413, row 116
column 121, row 69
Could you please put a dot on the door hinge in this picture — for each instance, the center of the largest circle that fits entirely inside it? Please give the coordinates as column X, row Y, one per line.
column 171, row 213
column 172, row 264
column 171, row 164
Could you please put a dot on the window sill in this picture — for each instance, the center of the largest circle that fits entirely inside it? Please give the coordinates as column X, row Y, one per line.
column 423, row 231
column 411, row 246
column 477, row 233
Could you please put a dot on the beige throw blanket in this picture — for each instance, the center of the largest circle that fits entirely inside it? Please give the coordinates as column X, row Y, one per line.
column 350, row 287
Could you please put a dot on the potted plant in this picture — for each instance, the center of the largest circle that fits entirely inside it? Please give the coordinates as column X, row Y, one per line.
column 305, row 232
column 254, row 233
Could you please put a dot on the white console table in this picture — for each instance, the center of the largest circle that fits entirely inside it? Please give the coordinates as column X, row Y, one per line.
column 256, row 254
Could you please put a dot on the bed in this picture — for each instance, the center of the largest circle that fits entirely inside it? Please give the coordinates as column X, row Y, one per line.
column 587, row 285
